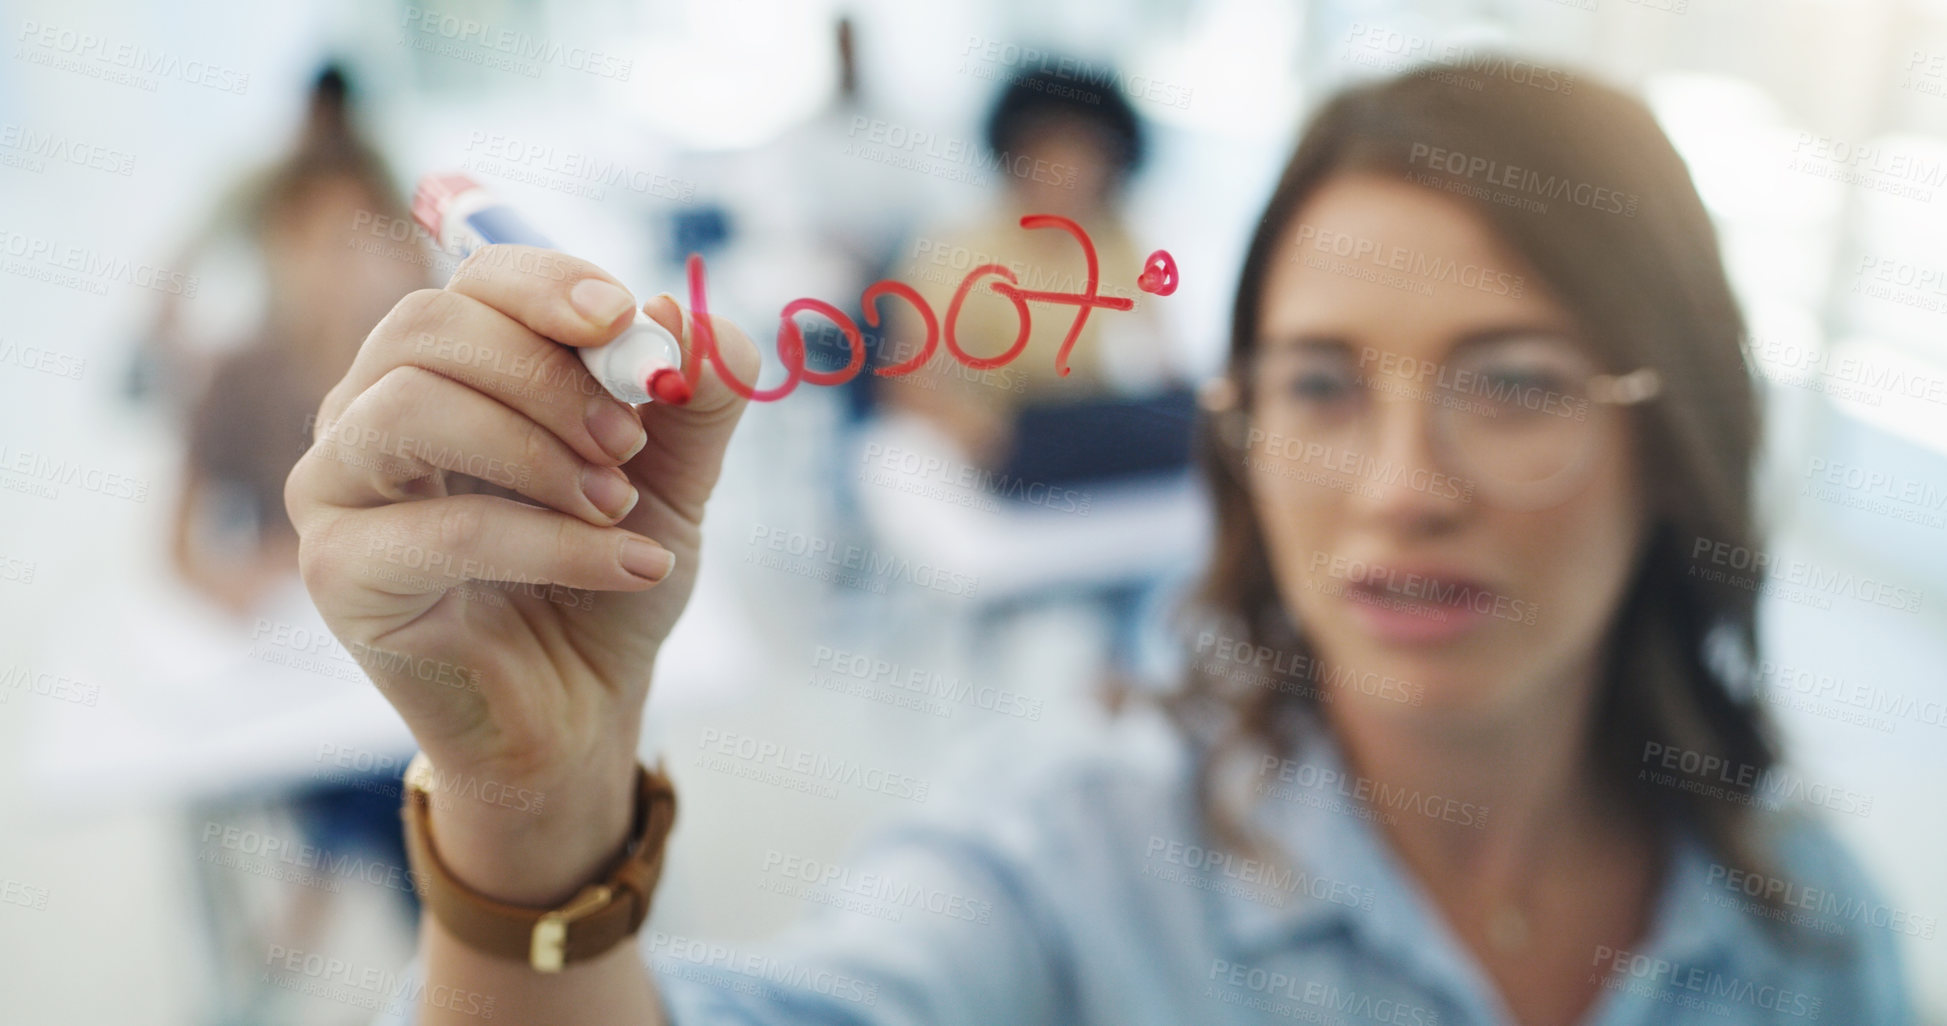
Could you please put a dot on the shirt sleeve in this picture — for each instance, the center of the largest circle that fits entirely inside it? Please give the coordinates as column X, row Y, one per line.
column 1012, row 899
column 1837, row 902
column 934, row 927
column 932, row 930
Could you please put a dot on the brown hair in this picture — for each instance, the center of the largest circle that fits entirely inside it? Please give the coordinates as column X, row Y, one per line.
column 1588, row 189
column 252, row 422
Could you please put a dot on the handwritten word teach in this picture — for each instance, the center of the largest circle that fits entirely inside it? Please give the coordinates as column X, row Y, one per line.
column 1159, row 277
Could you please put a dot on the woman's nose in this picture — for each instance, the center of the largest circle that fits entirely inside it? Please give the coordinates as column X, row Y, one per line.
column 1412, row 487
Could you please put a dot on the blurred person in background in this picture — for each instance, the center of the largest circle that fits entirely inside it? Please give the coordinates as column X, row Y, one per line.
column 1060, row 144
column 1060, row 454
column 326, row 284
column 1450, row 627
column 249, row 422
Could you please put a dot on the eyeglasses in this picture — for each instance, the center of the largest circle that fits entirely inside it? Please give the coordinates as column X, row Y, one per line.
column 1518, row 419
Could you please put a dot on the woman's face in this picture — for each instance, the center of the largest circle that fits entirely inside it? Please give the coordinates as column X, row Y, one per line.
column 1075, row 172
column 1442, row 505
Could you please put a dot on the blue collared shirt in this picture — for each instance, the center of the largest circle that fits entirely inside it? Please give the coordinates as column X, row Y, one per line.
column 1091, row 895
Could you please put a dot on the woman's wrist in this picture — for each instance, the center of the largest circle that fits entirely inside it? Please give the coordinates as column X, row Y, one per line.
column 534, row 844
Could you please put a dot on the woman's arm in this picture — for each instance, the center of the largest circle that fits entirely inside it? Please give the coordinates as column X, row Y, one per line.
column 515, row 638
column 932, row 925
column 521, row 858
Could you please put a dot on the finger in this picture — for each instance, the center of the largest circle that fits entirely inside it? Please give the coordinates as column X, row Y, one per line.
column 712, row 395
column 684, row 456
column 366, row 560
column 462, row 338
column 556, row 295
column 664, row 310
column 413, row 423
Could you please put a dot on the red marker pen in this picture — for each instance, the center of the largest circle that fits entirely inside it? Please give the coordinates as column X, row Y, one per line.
column 642, row 364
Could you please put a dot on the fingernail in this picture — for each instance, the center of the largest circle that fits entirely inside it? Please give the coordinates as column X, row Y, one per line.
column 646, row 559
column 600, row 301
column 674, row 305
column 615, row 429
column 609, row 489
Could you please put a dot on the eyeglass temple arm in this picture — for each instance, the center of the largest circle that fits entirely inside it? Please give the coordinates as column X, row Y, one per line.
column 1626, row 389
column 1219, row 395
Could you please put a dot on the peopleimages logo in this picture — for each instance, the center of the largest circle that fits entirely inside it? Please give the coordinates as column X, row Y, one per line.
column 1696, row 983
column 984, row 58
column 1274, row 664
column 876, row 893
column 1282, row 994
column 324, row 863
column 1367, row 792
column 39, row 474
column 951, row 152
column 66, row 265
column 1497, row 390
column 1387, row 49
column 47, row 684
column 971, row 479
column 1823, row 906
column 921, row 683
column 513, row 45
column 1522, row 180
column 372, row 988
column 761, row 973
column 762, row 760
column 1863, row 702
column 43, row 360
column 31, row 149
column 1743, row 783
column 1423, row 589
column 1346, row 470
column 853, row 565
column 26, row 895
column 1431, row 267
column 567, row 170
column 1742, row 567
column 119, row 61
column 1223, row 871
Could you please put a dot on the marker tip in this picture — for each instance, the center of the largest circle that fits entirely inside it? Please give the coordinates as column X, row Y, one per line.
column 667, row 386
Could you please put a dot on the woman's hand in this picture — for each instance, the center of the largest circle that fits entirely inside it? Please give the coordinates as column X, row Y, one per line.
column 514, row 635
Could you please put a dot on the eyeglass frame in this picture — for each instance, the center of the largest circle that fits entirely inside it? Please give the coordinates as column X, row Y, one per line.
column 1221, row 397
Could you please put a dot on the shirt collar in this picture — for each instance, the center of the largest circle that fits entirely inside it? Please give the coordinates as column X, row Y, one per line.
column 1347, row 882
column 1693, row 922
column 1345, row 878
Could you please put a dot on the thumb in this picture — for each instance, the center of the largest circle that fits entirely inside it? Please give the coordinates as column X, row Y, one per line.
column 684, row 454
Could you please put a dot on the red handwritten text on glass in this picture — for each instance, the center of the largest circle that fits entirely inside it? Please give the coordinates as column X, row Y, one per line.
column 1159, row 277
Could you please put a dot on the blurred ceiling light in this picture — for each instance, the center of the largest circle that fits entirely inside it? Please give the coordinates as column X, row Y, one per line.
column 1901, row 392
column 727, row 75
column 1234, row 72
column 1736, row 140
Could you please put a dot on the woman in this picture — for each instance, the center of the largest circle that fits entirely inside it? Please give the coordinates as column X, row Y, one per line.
column 249, row 422
column 1479, row 411
column 1065, row 146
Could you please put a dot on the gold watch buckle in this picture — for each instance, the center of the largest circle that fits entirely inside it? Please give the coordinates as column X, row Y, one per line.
column 547, row 949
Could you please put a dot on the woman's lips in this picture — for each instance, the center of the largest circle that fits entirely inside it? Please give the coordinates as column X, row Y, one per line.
column 1409, row 607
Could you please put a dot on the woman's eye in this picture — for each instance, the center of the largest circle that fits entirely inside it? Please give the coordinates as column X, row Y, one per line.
column 1320, row 387
column 1526, row 378
column 1519, row 388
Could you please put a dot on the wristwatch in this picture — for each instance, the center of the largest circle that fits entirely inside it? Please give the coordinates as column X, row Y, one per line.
column 593, row 921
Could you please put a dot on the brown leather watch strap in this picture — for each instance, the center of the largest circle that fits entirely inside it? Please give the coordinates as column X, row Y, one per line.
column 593, row 921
